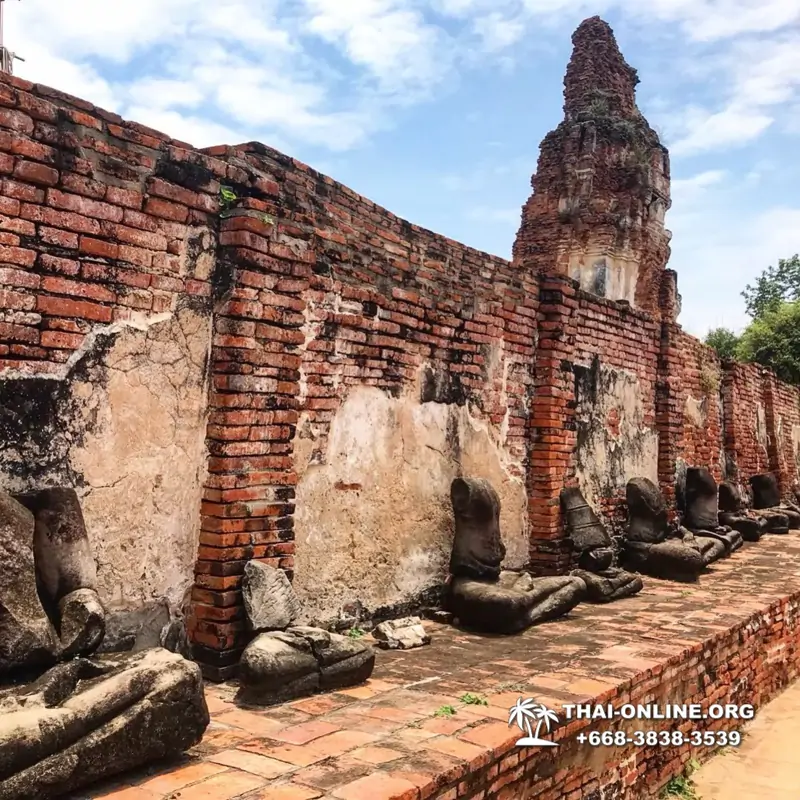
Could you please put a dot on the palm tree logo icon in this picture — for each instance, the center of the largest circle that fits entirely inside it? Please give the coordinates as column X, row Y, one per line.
column 526, row 710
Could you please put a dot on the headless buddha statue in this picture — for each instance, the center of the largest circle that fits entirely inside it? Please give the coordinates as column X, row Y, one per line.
column 482, row 595
column 751, row 524
column 653, row 546
column 767, row 498
column 68, row 719
column 595, row 554
column 702, row 510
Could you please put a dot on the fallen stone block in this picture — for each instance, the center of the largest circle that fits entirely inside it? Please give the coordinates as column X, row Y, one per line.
column 284, row 665
column 401, row 634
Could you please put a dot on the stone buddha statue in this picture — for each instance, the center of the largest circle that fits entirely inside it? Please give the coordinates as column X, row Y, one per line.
column 751, row 524
column 482, row 595
column 654, row 547
column 595, row 553
column 767, row 497
column 702, row 510
column 68, row 719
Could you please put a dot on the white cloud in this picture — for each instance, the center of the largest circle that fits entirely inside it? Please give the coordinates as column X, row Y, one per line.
column 164, row 93
column 720, row 19
column 735, row 125
column 718, row 254
column 257, row 64
column 498, row 32
column 332, row 73
column 763, row 80
column 388, row 38
column 719, row 246
column 688, row 188
column 75, row 78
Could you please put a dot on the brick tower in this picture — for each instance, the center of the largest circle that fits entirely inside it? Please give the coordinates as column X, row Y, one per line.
column 601, row 188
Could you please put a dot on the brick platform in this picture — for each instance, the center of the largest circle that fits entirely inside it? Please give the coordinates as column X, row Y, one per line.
column 731, row 638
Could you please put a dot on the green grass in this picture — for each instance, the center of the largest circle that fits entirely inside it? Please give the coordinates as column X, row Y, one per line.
column 470, row 699
column 682, row 786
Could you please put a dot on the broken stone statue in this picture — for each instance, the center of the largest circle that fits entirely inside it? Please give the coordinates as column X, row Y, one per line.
column 767, row 497
column 590, row 540
column 67, row 719
column 481, row 595
column 284, row 665
column 751, row 524
column 702, row 511
column 285, row 662
column 270, row 602
column 654, row 547
column 401, row 634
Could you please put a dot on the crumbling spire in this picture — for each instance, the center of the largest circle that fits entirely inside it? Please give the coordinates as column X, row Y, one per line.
column 598, row 73
column 601, row 187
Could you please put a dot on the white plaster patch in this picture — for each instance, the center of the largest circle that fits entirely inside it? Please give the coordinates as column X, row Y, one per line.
column 761, row 427
column 373, row 522
column 133, row 441
column 696, row 411
column 796, row 447
column 144, row 461
column 621, row 273
column 614, row 443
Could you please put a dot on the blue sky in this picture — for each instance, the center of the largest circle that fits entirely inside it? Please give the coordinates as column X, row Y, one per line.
column 436, row 108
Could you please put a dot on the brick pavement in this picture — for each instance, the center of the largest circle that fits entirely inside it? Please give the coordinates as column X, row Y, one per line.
column 384, row 740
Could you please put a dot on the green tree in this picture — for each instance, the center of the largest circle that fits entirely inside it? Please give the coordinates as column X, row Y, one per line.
column 724, row 341
column 773, row 339
column 774, row 286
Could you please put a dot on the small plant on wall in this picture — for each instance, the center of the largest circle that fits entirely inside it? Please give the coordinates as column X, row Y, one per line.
column 227, row 199
column 709, row 379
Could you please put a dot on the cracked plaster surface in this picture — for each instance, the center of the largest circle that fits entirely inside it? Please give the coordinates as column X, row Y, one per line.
column 796, row 446
column 609, row 455
column 373, row 521
column 136, row 453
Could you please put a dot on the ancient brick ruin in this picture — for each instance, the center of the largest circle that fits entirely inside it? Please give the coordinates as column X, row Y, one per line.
column 234, row 357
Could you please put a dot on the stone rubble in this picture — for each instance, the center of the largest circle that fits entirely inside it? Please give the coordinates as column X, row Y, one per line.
column 401, row 634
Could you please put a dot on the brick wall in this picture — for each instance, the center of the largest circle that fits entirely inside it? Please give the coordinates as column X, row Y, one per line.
column 321, row 303
column 624, row 341
column 108, row 237
column 328, row 293
column 745, row 419
column 700, row 392
column 96, row 225
column 748, row 664
column 762, row 424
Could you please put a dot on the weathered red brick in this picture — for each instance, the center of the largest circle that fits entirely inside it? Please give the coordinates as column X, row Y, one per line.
column 58, row 237
column 17, row 255
column 18, row 333
column 16, row 121
column 85, row 206
column 97, row 247
column 78, row 289
column 33, row 172
column 60, row 340
column 166, row 210
column 62, row 307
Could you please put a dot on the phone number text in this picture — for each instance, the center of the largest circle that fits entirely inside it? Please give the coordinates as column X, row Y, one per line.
column 661, row 738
